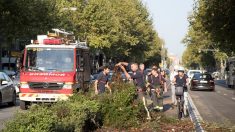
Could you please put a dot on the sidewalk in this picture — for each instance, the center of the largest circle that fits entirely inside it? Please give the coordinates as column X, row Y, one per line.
column 167, row 104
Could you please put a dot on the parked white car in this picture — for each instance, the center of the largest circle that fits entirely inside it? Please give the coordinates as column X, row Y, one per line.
column 216, row 75
column 7, row 90
column 190, row 74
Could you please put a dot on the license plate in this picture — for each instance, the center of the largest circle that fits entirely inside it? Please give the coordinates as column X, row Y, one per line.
column 203, row 81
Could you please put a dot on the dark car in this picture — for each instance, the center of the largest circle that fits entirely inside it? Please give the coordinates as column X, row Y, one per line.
column 7, row 90
column 202, row 81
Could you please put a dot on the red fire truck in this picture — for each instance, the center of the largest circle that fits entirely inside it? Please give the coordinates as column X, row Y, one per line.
column 53, row 68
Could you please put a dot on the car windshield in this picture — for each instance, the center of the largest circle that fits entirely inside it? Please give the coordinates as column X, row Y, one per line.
column 49, row 59
column 202, row 76
column 2, row 76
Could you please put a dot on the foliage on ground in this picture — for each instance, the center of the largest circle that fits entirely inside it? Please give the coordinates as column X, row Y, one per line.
column 160, row 122
column 222, row 127
column 119, row 111
column 70, row 115
column 81, row 113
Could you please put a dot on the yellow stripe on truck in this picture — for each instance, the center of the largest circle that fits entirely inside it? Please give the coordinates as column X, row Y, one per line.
column 41, row 95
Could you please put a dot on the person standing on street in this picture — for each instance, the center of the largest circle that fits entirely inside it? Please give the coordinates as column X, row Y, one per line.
column 142, row 70
column 172, row 76
column 138, row 80
column 102, row 81
column 163, row 73
column 156, row 84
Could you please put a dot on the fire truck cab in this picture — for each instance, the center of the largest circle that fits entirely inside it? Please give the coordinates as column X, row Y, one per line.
column 53, row 69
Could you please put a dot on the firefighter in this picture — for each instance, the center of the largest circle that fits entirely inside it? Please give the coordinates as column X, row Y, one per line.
column 156, row 83
column 102, row 81
column 142, row 70
column 138, row 80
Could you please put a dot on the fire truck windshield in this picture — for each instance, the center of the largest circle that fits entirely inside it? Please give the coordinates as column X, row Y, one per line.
column 49, row 59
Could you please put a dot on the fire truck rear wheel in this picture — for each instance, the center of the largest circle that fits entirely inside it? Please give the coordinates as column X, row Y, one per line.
column 23, row 105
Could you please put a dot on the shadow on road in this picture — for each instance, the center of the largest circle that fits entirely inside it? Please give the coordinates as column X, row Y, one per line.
column 166, row 96
column 167, row 107
column 5, row 105
column 203, row 90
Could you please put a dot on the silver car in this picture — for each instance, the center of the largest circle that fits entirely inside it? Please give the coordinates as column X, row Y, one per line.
column 7, row 90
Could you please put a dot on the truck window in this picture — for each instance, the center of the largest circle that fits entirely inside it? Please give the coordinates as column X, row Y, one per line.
column 80, row 59
column 49, row 59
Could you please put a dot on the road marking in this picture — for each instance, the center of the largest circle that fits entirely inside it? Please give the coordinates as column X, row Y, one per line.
column 218, row 92
column 233, row 98
column 225, row 94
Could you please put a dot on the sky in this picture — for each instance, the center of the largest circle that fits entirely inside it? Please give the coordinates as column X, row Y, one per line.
column 170, row 21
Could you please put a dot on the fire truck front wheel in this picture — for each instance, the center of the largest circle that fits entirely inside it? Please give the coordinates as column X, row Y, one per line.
column 24, row 105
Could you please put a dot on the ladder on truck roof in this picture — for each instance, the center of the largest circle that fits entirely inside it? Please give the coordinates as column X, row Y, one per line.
column 58, row 37
column 62, row 31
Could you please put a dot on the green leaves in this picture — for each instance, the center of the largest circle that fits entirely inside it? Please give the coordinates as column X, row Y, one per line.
column 218, row 19
column 81, row 113
column 121, row 28
column 210, row 28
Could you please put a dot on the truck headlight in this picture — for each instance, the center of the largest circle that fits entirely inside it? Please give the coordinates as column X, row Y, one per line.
column 68, row 85
column 24, row 85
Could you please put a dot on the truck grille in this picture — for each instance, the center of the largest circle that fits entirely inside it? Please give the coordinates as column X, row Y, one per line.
column 46, row 85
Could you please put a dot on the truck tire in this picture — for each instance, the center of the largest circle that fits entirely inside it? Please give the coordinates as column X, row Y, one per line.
column 13, row 103
column 23, row 105
column 229, row 86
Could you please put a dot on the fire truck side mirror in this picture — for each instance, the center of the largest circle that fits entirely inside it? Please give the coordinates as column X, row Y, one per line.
column 19, row 64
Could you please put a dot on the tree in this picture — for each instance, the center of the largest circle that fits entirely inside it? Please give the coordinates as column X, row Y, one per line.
column 122, row 29
column 24, row 19
column 215, row 20
column 210, row 28
column 218, row 19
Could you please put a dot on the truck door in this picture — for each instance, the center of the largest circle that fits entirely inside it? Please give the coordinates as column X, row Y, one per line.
column 79, row 69
column 87, row 67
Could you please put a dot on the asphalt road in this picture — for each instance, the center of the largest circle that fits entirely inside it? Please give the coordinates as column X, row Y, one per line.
column 6, row 113
column 217, row 106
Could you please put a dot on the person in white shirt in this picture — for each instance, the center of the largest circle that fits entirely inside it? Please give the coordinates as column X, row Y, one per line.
column 172, row 76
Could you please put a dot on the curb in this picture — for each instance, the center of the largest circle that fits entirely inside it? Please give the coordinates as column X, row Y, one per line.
column 195, row 115
column 221, row 84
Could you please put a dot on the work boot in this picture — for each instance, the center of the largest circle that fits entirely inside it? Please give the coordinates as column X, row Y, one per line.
column 156, row 108
column 160, row 109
